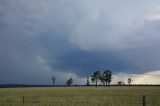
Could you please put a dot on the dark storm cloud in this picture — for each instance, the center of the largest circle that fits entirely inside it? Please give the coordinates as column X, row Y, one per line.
column 80, row 37
column 84, row 63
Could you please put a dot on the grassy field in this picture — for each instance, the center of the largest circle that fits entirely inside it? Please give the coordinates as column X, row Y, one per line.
column 79, row 96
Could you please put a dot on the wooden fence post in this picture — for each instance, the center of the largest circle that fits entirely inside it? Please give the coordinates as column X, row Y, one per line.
column 23, row 100
column 144, row 100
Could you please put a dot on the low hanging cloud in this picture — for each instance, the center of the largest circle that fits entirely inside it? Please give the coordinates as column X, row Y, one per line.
column 67, row 37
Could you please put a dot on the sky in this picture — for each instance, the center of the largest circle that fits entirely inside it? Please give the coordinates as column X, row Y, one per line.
column 43, row 38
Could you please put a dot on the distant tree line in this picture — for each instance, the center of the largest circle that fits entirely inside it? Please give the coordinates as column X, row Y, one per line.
column 105, row 78
column 98, row 77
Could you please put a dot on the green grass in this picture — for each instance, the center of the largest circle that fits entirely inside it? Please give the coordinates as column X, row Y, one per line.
column 79, row 96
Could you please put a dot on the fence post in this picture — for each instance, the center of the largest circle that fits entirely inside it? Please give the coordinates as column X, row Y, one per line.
column 23, row 100
column 144, row 100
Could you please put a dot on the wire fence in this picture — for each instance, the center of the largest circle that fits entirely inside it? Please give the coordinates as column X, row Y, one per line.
column 96, row 100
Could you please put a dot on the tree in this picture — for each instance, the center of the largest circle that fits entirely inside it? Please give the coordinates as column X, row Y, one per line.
column 102, row 79
column 120, row 83
column 95, row 77
column 88, row 81
column 130, row 81
column 53, row 79
column 107, row 76
column 69, row 81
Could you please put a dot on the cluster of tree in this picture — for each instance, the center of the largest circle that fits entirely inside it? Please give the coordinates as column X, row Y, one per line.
column 69, row 81
column 105, row 78
column 129, row 80
column 120, row 83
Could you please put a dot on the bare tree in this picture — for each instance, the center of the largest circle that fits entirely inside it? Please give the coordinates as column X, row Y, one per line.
column 53, row 79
